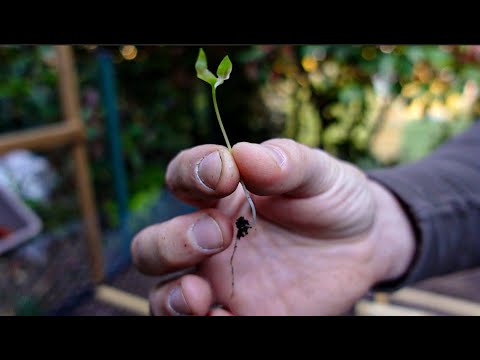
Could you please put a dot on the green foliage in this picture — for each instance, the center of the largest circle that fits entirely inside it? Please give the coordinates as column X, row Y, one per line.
column 366, row 96
column 422, row 137
column 28, row 96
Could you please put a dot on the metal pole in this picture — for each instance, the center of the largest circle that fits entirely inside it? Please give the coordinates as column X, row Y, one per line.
column 108, row 86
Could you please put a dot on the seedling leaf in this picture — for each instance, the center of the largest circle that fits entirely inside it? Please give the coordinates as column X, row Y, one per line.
column 202, row 70
column 225, row 68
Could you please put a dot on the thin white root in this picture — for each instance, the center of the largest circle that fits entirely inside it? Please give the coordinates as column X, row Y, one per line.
column 250, row 202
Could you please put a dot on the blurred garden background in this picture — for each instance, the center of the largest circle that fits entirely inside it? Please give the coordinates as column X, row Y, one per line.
column 374, row 105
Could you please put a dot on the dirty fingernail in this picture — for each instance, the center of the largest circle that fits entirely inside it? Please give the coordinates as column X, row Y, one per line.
column 209, row 170
column 177, row 302
column 207, row 234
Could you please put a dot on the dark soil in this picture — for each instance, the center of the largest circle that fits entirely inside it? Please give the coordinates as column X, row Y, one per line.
column 242, row 225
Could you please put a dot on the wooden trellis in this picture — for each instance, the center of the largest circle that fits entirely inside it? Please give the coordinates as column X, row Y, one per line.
column 69, row 132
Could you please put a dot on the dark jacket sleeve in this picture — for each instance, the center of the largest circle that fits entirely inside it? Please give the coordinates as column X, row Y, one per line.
column 441, row 196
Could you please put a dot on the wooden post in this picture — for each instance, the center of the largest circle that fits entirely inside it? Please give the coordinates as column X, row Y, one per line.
column 68, row 84
column 89, row 212
column 69, row 96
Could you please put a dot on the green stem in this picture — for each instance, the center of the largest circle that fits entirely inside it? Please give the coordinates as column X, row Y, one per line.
column 249, row 198
column 214, row 95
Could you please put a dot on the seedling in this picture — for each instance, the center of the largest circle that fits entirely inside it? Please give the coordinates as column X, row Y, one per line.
column 223, row 74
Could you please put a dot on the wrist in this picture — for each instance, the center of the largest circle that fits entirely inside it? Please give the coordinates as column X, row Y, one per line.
column 393, row 236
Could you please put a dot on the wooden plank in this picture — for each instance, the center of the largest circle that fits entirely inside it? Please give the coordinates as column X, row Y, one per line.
column 7, row 312
column 381, row 297
column 122, row 299
column 442, row 303
column 42, row 138
column 371, row 308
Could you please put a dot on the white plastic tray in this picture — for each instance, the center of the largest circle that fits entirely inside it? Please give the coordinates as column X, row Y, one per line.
column 18, row 218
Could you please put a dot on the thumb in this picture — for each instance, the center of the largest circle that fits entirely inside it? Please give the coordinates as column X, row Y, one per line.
column 285, row 167
column 306, row 189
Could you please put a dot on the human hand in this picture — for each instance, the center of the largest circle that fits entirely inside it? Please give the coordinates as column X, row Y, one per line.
column 324, row 236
